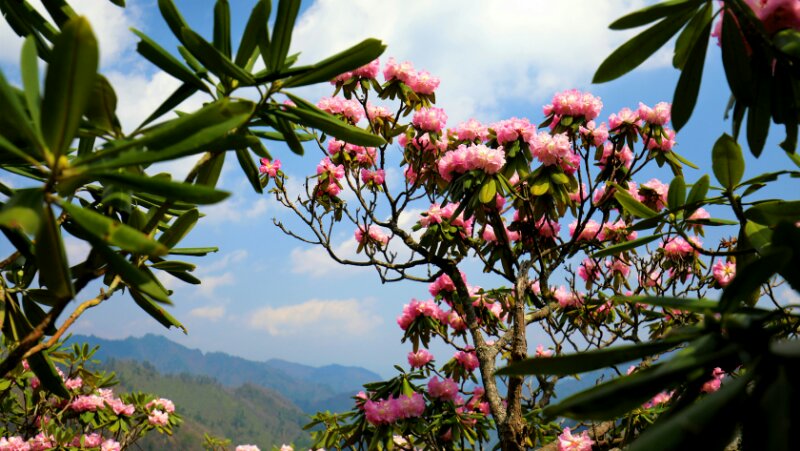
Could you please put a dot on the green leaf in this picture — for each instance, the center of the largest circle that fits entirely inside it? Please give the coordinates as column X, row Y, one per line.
column 23, row 210
column 770, row 213
column 29, row 69
column 249, row 168
column 697, row 28
column 692, row 305
column 51, row 258
column 676, row 194
column 173, row 17
column 194, row 251
column 68, row 84
column 213, row 59
column 633, row 206
column 174, row 265
column 587, row 361
column 488, row 191
column 134, row 277
column 43, row 368
column 179, row 229
column 699, row 190
column 746, row 286
column 254, row 32
column 60, row 11
column 735, row 59
column 360, row 54
column 113, row 232
column 187, row 135
column 619, row 396
column 157, row 312
column 637, row 50
column 311, row 116
column 727, row 161
column 222, row 27
column 692, row 63
column 652, row 13
column 14, row 115
column 101, row 110
column 628, row 245
column 209, row 172
column 706, row 424
column 197, row 194
column 285, row 128
column 758, row 116
column 788, row 41
column 36, row 314
column 681, row 158
column 759, row 236
column 282, row 34
column 166, row 62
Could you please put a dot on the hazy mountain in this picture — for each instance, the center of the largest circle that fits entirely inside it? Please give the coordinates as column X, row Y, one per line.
column 312, row 389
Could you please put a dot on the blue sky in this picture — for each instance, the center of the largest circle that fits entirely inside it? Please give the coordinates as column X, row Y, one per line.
column 265, row 295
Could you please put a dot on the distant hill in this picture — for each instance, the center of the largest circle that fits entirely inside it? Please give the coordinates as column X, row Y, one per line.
column 312, row 389
column 247, row 414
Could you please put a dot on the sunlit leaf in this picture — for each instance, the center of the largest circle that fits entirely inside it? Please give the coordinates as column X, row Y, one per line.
column 727, row 161
column 353, row 58
column 166, row 188
column 627, row 245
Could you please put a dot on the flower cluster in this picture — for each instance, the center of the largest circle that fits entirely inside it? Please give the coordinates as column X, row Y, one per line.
column 445, row 390
column 269, row 167
column 465, row 159
column 390, row 410
column 349, row 109
column 574, row 103
column 569, row 442
column 373, row 234
column 430, row 119
column 420, row 82
column 554, row 150
column 723, row 272
column 420, row 358
column 510, row 130
column 370, row 70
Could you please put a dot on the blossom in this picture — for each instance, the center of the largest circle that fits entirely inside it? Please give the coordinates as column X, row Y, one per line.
column 420, row 358
column 110, row 445
column 589, row 270
column 163, row 403
column 666, row 143
column 40, row 442
column 350, row 109
column 92, row 440
column 542, row 352
column 373, row 234
column 423, row 83
column 616, row 231
column 446, row 389
column 255, row 448
column 430, row 119
column 158, row 418
column 377, row 111
column 676, row 248
column 120, row 408
column 547, row 228
column 567, row 298
column 509, row 130
column 569, row 442
column 552, row 149
column 625, row 117
column 467, row 359
column 464, row 159
column 575, row 103
column 723, row 272
column 73, row 383
column 376, row 177
column 622, row 157
column 369, row 70
column 716, row 381
column 270, row 168
column 657, row 115
column 658, row 399
column 87, row 403
column 654, row 194
column 471, row 130
column 284, row 447
column 590, row 230
column 14, row 444
column 408, row 406
column 776, row 14
column 619, row 266
column 327, row 167
column 593, row 133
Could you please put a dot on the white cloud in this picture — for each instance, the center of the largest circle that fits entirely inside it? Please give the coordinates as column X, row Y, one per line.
column 789, row 296
column 110, row 24
column 212, row 313
column 224, row 262
column 210, row 283
column 487, row 53
column 77, row 250
column 235, row 209
column 315, row 261
column 348, row 316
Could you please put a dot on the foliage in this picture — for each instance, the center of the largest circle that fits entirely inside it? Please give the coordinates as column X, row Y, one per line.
column 92, row 416
column 496, row 196
column 89, row 179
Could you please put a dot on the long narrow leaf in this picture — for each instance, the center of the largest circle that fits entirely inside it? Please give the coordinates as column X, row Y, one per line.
column 652, row 13
column 352, row 58
column 282, row 34
column 213, row 59
column 628, row 245
column 166, row 188
column 165, row 61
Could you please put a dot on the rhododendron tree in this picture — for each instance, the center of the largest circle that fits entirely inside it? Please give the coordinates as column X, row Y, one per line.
column 91, row 417
column 610, row 268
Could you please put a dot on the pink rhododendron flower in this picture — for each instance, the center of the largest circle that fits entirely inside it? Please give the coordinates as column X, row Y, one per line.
column 430, row 119
column 666, row 144
column 120, row 408
column 443, row 283
column 423, row 83
column 618, row 158
column 327, row 167
column 509, row 130
column 162, row 403
column 377, row 111
column 446, row 389
column 110, row 445
column 405, row 407
column 14, row 444
column 73, row 383
column 87, row 403
column 472, row 130
column 376, row 177
column 625, row 117
column 270, row 168
column 716, row 381
column 590, row 231
column 92, row 440
column 676, row 248
column 350, row 109
column 619, row 266
column 593, row 133
column 547, row 228
column 569, row 442
column 464, row 159
column 657, row 115
column 468, row 360
column 285, row 447
column 370, row 70
column 658, row 399
column 420, row 358
column 455, row 321
column 723, row 272
column 654, row 194
column 255, row 448
column 567, row 298
column 589, row 270
column 616, row 232
column 575, row 103
column 542, row 352
column 374, row 234
column 158, row 418
column 551, row 149
column 777, row 15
